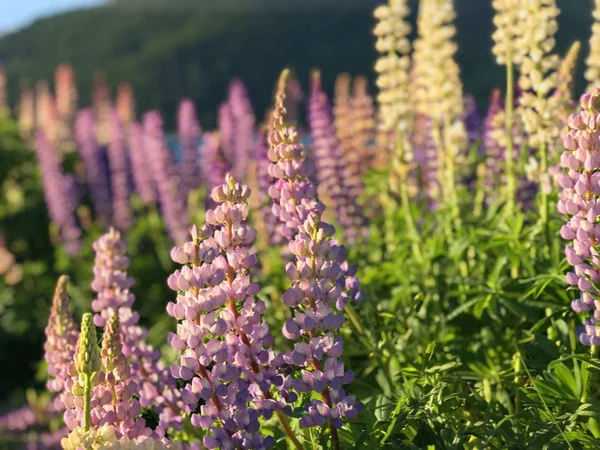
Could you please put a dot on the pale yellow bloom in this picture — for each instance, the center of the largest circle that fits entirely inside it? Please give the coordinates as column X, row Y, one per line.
column 392, row 67
column 592, row 74
column 507, row 23
column 104, row 438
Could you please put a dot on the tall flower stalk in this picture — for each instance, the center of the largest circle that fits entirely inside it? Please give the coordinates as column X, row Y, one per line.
column 580, row 202
column 508, row 52
column 538, row 78
column 322, row 282
column 592, row 73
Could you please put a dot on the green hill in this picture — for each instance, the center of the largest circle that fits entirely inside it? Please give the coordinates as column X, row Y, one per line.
column 182, row 51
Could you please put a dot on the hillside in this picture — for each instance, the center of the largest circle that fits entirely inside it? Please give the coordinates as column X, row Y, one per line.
column 180, row 51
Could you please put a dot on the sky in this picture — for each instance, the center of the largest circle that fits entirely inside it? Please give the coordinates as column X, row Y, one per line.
column 17, row 13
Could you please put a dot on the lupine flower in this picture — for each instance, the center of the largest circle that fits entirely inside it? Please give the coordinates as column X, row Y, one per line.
column 58, row 193
column 364, row 123
column 438, row 91
column 122, row 410
column 566, row 82
column 592, row 74
column 226, row 130
column 393, row 45
column 119, row 171
column 61, row 339
column 214, row 160
column 322, row 282
column 472, row 119
column 84, row 374
column 507, row 32
column 111, row 284
column 4, row 108
column 243, row 120
column 494, row 151
column 189, row 135
column 426, row 157
column 224, row 343
column 26, row 113
column 96, row 173
column 580, row 202
column 125, row 104
column 105, row 438
column 140, row 166
column 49, row 440
column 264, row 182
column 538, row 76
column 330, row 166
column 102, row 106
column 66, row 91
column 43, row 100
column 162, row 167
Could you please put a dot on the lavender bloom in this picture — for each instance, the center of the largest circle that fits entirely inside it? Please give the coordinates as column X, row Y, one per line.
column 221, row 334
column 122, row 410
column 328, row 160
column 58, row 193
column 111, row 284
column 161, row 165
column 322, row 281
column 142, row 177
column 214, row 160
column 494, row 151
column 426, row 157
column 118, row 163
column 19, row 419
column 61, row 340
column 580, row 202
column 96, row 174
column 226, row 126
column 320, row 290
column 264, row 182
column 50, row 440
column 189, row 135
column 243, row 120
column 472, row 119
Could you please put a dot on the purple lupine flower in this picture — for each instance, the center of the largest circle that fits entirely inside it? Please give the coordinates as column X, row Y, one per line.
column 426, row 157
column 243, row 121
column 111, row 284
column 18, row 420
column 329, row 163
column 580, row 202
column 264, row 182
column 214, row 160
column 472, row 119
column 119, row 174
column 123, row 410
column 59, row 194
column 96, row 173
column 189, row 135
column 494, row 151
column 140, row 167
column 223, row 340
column 320, row 290
column 322, row 281
column 226, row 128
column 61, row 340
column 161, row 165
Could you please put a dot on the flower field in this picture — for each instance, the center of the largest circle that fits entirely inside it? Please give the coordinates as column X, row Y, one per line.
column 386, row 266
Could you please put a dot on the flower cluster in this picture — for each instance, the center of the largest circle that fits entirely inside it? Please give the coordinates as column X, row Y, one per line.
column 140, row 170
column 580, row 202
column 162, row 167
column 221, row 334
column 592, row 74
column 61, row 339
column 112, row 286
column 119, row 174
column 393, row 44
column 508, row 31
column 96, row 173
column 59, row 192
column 106, row 438
column 189, row 136
column 243, row 119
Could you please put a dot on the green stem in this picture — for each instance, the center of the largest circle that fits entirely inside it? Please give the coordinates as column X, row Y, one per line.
column 87, row 397
column 588, row 382
column 508, row 157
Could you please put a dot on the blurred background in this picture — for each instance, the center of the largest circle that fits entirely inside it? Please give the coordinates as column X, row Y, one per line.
column 168, row 50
